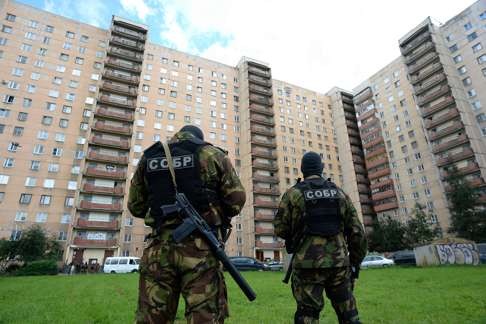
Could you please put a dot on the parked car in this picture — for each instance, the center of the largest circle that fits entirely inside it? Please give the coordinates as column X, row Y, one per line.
column 247, row 263
column 121, row 264
column 482, row 252
column 376, row 261
column 274, row 266
column 405, row 257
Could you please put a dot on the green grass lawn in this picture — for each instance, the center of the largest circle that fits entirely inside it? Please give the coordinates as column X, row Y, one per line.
column 394, row 295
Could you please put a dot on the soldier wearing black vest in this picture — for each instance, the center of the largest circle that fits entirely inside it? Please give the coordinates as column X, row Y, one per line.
column 205, row 175
column 321, row 228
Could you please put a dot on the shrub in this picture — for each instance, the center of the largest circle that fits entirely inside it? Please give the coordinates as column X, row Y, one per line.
column 36, row 268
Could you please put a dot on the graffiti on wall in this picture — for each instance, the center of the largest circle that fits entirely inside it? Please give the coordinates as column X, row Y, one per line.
column 458, row 253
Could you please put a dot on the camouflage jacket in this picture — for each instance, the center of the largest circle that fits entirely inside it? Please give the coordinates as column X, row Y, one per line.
column 317, row 251
column 215, row 168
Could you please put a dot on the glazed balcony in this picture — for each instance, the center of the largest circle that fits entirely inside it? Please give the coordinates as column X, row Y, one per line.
column 370, row 132
column 367, row 209
column 425, row 73
column 353, row 133
column 422, row 38
column 261, row 90
column 119, row 88
column 121, row 77
column 120, row 144
column 262, row 142
column 101, row 126
column 474, row 183
column 383, row 195
column 429, row 83
column 361, row 179
column 368, row 219
column 455, row 127
column 127, row 43
column 268, row 246
column 355, row 141
column 82, row 242
column 358, row 160
column 359, row 169
column 96, row 225
column 364, row 198
column 262, row 120
column 375, row 151
column 451, row 114
column 264, row 153
column 91, row 188
column 125, row 54
column 122, row 31
column 263, row 231
column 352, row 124
column 124, row 65
column 461, row 139
column 94, row 172
column 347, row 100
column 124, row 103
column 105, row 112
column 350, row 116
column 377, row 162
column 471, row 167
column 265, row 166
column 259, row 99
column 363, row 189
column 466, row 153
column 356, row 150
column 367, row 114
column 386, row 206
column 95, row 156
column 422, row 100
column 427, row 111
column 419, row 52
column 266, row 191
column 262, row 130
column 89, row 205
column 424, row 61
column 259, row 72
column 363, row 96
column 376, row 141
column 381, row 184
column 268, row 179
column 263, row 203
column 263, row 217
column 349, row 107
column 379, row 173
column 259, row 80
column 261, row 109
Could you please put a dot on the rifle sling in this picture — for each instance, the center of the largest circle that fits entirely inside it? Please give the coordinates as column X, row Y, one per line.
column 170, row 163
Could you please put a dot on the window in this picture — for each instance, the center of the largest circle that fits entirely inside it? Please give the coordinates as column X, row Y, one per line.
column 60, row 68
column 467, row 81
column 70, row 34
column 472, row 36
column 46, row 120
column 462, row 70
column 35, row 76
column 8, row 163
column 35, row 165
column 3, row 41
column 10, row 17
column 53, row 167
column 13, row 146
column 41, row 217
column 49, row 28
column 49, row 183
column 66, row 218
column 457, row 59
column 31, row 88
column 67, row 109
column 453, row 48
column 62, row 236
column 42, row 51
column 20, row 216
column 17, row 72
column 477, row 47
column 38, row 149
column 482, row 59
column 6, row 29
column 467, row 26
column 22, row 116
column 18, row 131
column 63, row 123
column 25, row 199
column 471, row 93
column 4, row 113
column 57, row 151
column 4, row 179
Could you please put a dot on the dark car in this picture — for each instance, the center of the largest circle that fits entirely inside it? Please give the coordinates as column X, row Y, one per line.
column 405, row 257
column 274, row 266
column 247, row 263
column 482, row 253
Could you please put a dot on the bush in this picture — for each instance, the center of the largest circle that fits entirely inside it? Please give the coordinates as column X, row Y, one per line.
column 36, row 268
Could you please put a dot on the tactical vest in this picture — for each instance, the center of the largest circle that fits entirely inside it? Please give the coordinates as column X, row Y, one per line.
column 185, row 156
column 322, row 211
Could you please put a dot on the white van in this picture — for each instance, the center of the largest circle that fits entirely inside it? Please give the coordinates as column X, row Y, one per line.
column 121, row 264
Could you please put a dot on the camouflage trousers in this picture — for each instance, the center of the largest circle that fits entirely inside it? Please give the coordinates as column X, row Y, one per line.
column 168, row 269
column 308, row 286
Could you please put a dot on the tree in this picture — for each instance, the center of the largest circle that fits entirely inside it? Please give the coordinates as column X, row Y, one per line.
column 388, row 235
column 468, row 219
column 33, row 244
column 418, row 229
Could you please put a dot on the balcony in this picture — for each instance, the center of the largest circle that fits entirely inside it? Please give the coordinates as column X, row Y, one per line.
column 471, row 167
column 261, row 109
column 354, row 141
column 429, row 83
column 121, row 77
column 125, row 54
column 383, row 195
column 82, row 242
column 101, row 111
column 262, row 120
column 263, row 142
column 261, row 130
column 94, row 172
column 127, row 43
column 359, row 169
column 260, row 72
column 364, row 199
column 361, row 179
column 266, row 191
column 259, row 99
column 353, row 133
column 265, row 166
column 377, row 162
column 425, row 73
column 373, row 142
column 475, row 183
column 263, row 231
column 455, row 127
column 125, row 65
column 264, row 203
column 461, row 139
column 427, row 111
column 367, row 114
column 377, row 150
column 368, row 220
column 424, row 61
column 268, row 246
column 101, row 126
column 268, row 179
column 422, row 100
column 451, row 114
column 86, row 224
column 367, row 209
column 124, row 103
column 347, row 100
column 358, row 160
column 259, row 80
column 388, row 182
column 119, row 88
column 419, row 52
column 264, row 153
column 113, row 207
column 356, row 151
column 352, row 124
column 261, row 90
column 350, row 116
column 128, row 33
column 120, row 144
column 415, row 43
column 107, row 158
column 386, row 206
column 263, row 217
column 378, row 174
column 91, row 188
column 363, row 96
column 455, row 157
column 363, row 189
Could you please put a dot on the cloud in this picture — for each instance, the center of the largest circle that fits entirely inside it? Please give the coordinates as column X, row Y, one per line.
column 92, row 12
column 141, row 9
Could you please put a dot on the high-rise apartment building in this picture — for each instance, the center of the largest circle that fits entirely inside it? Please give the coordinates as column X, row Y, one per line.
column 79, row 104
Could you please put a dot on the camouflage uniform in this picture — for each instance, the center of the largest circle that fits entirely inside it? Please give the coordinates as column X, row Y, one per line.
column 169, row 269
column 322, row 263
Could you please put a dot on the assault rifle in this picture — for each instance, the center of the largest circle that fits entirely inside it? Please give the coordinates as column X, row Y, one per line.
column 194, row 222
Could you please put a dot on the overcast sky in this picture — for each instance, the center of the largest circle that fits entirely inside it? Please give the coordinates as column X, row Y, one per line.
column 314, row 44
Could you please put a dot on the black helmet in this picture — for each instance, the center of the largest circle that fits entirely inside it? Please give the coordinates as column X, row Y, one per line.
column 311, row 164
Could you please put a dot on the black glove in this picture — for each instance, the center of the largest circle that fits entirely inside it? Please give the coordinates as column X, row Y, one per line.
column 354, row 272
